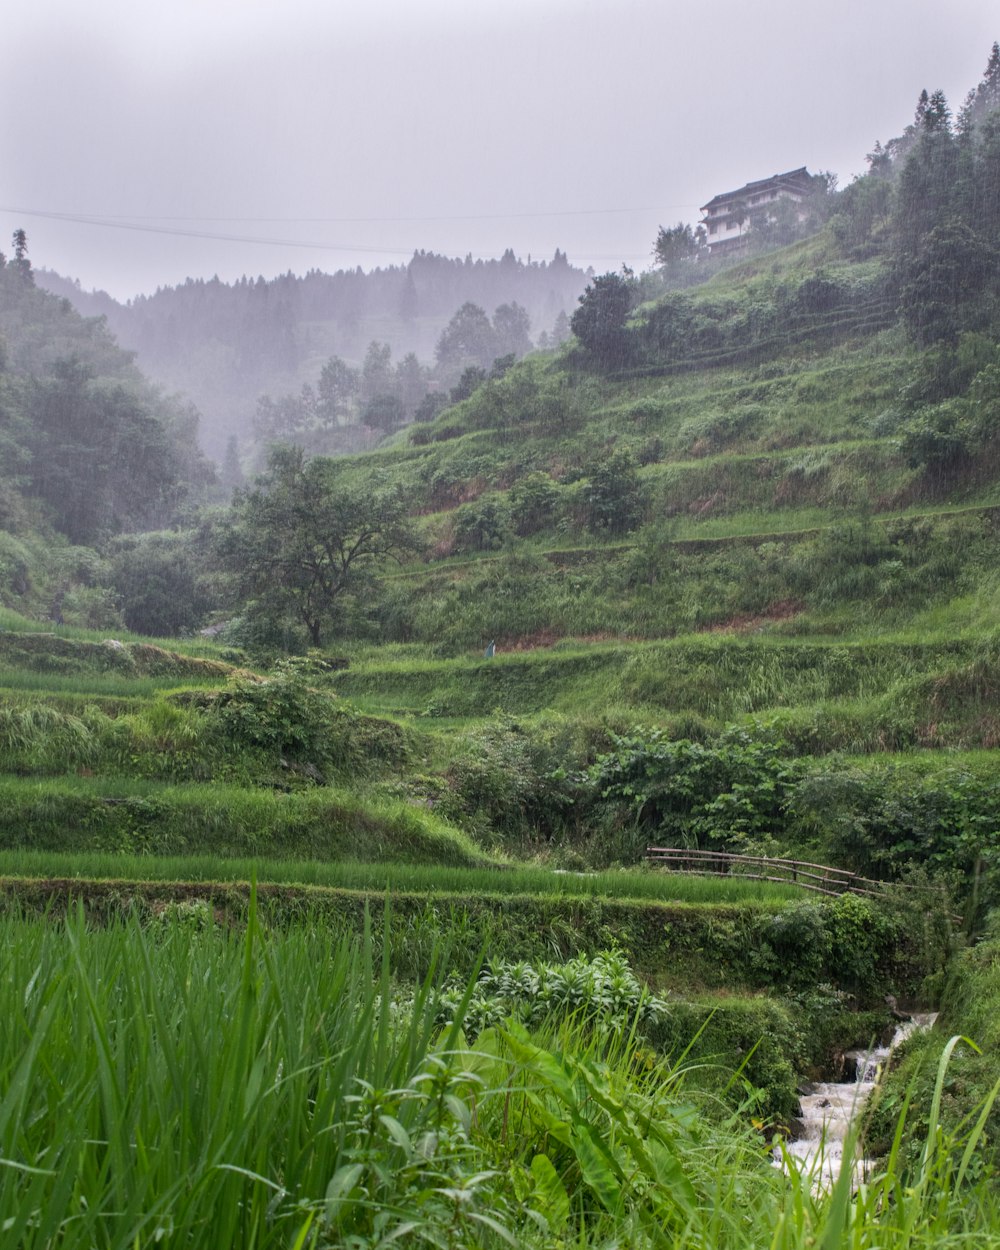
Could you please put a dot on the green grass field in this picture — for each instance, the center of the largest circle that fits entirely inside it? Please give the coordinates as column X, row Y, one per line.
column 185, row 1086
column 439, row 878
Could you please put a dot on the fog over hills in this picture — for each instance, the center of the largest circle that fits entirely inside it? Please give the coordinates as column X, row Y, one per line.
column 225, row 344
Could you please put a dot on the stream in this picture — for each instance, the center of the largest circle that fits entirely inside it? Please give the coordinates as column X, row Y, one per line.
column 829, row 1107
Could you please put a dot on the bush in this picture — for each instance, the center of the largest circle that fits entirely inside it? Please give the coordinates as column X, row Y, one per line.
column 285, row 718
column 728, row 795
column 481, row 526
column 160, row 585
column 510, row 785
column 614, row 497
column 533, row 502
column 602, row 989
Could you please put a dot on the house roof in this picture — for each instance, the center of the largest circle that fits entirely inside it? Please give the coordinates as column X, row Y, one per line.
column 794, row 180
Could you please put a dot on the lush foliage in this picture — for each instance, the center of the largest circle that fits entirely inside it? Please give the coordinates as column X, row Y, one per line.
column 968, row 1097
column 735, row 549
column 302, row 541
column 310, row 1125
column 730, row 795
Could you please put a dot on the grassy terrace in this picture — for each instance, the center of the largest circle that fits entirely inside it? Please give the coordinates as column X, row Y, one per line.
column 706, row 533
column 834, row 680
column 357, row 947
column 154, row 817
column 430, row 879
column 107, row 686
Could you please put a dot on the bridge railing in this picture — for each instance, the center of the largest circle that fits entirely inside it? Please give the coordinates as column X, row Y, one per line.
column 821, row 878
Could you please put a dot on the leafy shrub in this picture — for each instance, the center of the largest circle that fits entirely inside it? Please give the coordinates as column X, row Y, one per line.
column 885, row 821
column 614, row 497
column 533, row 502
column 731, row 794
column 284, row 717
column 602, row 988
column 512, row 784
column 760, row 1038
column 159, row 583
column 481, row 526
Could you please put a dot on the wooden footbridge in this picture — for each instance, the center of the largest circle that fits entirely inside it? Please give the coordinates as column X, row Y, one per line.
column 807, row 876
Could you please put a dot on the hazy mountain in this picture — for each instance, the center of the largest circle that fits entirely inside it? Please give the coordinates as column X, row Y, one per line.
column 224, row 345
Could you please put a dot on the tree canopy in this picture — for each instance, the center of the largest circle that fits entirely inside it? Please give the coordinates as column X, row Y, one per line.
column 304, row 538
column 599, row 322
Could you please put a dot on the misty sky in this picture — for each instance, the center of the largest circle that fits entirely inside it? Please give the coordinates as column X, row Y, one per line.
column 361, row 131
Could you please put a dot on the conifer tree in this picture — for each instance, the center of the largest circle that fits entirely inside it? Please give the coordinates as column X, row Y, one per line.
column 20, row 260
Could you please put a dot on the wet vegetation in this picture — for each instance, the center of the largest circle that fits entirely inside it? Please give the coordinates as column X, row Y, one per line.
column 331, row 926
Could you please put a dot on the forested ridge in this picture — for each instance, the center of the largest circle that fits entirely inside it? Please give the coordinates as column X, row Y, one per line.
column 228, row 344
column 846, row 360
column 91, row 449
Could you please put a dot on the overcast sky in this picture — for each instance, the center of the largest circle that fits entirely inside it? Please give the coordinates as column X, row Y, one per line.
column 333, row 133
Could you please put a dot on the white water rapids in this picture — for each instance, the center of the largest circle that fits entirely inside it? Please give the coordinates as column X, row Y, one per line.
column 828, row 1108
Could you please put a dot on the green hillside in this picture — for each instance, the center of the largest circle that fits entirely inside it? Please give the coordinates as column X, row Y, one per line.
column 722, row 569
column 721, row 574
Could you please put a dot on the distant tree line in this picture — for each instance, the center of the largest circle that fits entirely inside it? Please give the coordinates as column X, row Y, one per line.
column 227, row 344
column 350, row 407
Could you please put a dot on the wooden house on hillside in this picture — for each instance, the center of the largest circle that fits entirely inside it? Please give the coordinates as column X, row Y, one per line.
column 727, row 216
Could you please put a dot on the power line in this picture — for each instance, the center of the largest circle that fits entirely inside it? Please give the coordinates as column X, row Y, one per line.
column 114, row 218
column 143, row 226
column 121, row 224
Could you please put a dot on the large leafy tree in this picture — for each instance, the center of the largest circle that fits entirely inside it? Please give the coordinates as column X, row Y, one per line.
column 678, row 251
column 467, row 339
column 376, row 372
column 942, row 281
column 336, row 390
column 101, row 459
column 304, row 538
column 511, row 325
column 159, row 582
column 599, row 322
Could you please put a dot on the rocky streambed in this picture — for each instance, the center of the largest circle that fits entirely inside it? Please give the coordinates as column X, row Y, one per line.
column 828, row 1108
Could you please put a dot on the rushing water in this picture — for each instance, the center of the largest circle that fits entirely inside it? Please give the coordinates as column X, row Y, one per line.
column 829, row 1107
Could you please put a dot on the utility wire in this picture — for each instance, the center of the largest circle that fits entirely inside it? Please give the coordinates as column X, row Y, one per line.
column 110, row 224
column 144, row 225
column 111, row 218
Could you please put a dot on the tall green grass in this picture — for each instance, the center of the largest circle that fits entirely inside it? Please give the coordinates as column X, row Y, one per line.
column 713, row 676
column 109, row 685
column 195, row 1088
column 16, row 622
column 185, row 1086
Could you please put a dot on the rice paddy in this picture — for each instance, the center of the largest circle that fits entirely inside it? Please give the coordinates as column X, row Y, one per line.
column 430, row 879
